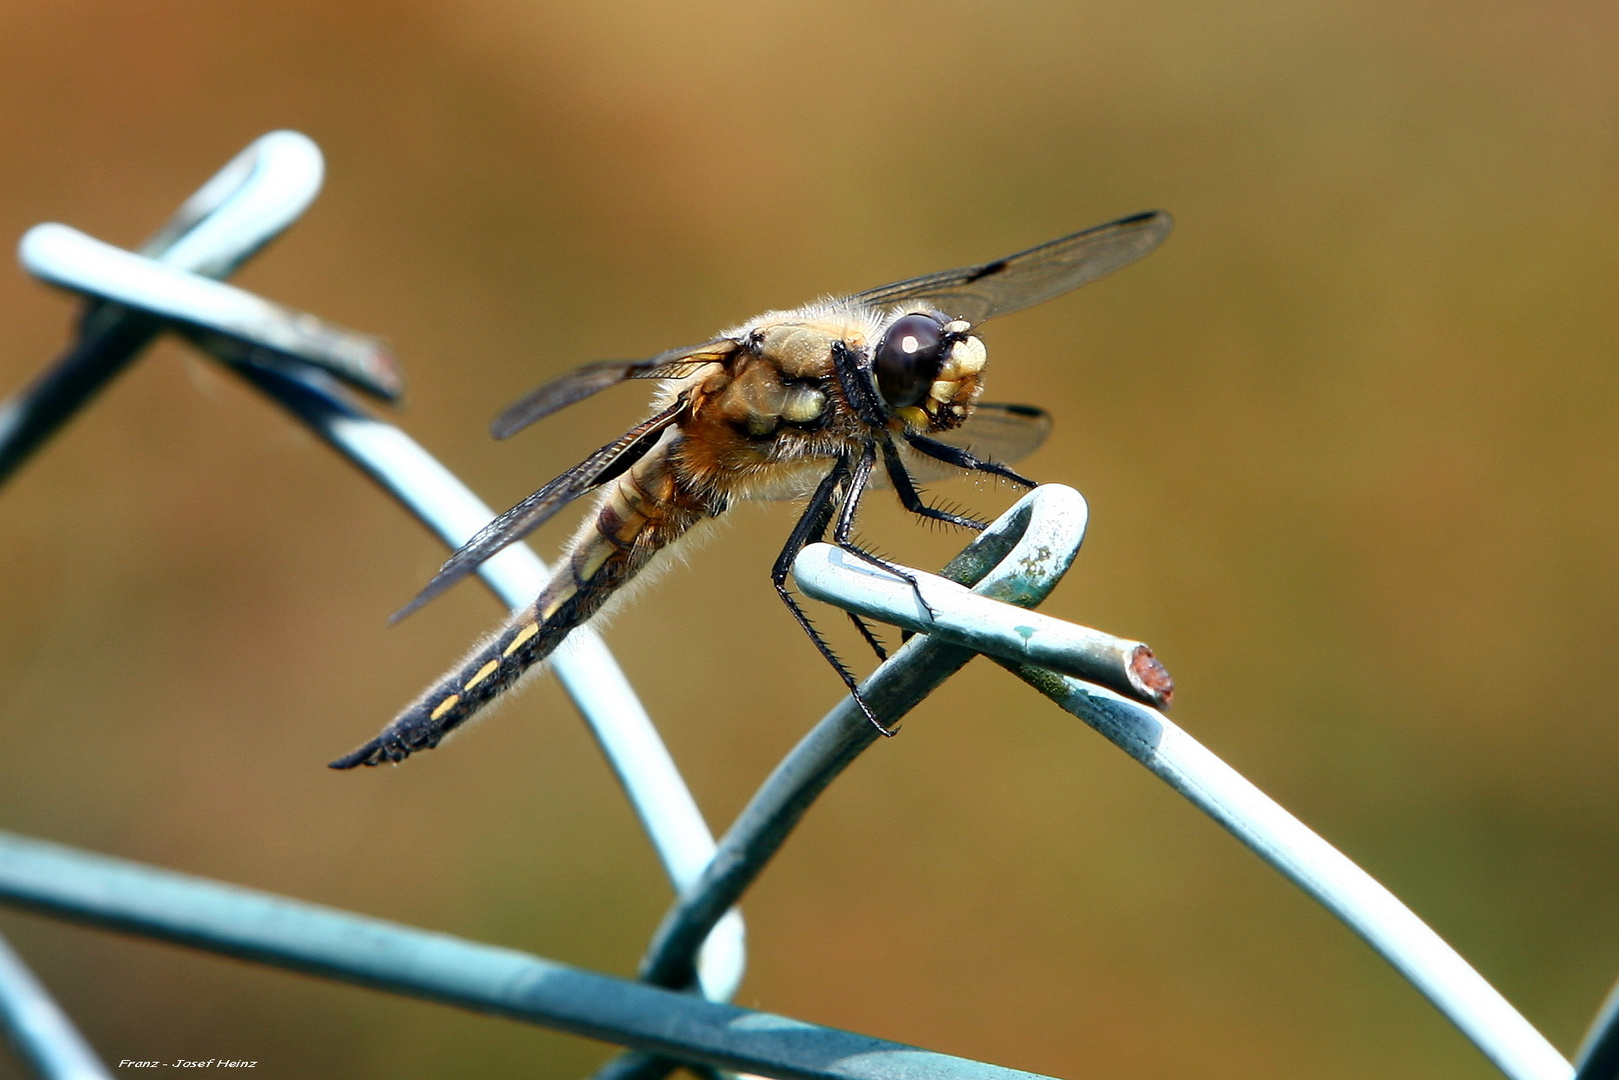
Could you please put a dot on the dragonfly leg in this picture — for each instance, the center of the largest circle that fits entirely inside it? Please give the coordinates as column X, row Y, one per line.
column 858, row 475
column 911, row 499
column 960, row 458
column 870, row 635
column 810, row 528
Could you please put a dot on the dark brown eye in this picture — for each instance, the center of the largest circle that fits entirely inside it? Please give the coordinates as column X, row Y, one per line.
column 908, row 360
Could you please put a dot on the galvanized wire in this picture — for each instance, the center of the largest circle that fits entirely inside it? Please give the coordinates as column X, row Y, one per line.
column 241, row 323
column 246, row 205
column 1598, row 1057
column 340, row 945
column 1326, row 874
column 235, row 214
column 1031, row 545
column 262, row 343
column 38, row 1027
column 950, row 612
column 583, row 665
column 1013, row 637
column 1019, row 558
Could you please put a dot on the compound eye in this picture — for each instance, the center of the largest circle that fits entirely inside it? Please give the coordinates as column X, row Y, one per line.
column 908, row 360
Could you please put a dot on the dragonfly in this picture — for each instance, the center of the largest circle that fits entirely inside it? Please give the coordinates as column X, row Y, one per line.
column 828, row 401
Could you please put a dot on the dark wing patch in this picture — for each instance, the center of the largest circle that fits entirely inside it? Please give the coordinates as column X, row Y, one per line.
column 976, row 293
column 589, row 379
column 604, row 465
column 1003, row 433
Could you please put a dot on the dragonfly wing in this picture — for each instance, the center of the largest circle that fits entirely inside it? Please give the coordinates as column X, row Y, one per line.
column 1000, row 433
column 604, row 465
column 589, row 379
column 976, row 293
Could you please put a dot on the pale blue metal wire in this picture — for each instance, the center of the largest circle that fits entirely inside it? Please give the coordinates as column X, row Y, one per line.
column 38, row 1027
column 246, row 205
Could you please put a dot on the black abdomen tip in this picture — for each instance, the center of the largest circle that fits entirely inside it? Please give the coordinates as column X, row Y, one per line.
column 417, row 729
column 369, row 754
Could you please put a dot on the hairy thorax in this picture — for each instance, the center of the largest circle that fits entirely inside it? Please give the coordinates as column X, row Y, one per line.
column 770, row 415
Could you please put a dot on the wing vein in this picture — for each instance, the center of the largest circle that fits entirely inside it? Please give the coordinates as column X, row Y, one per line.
column 599, row 468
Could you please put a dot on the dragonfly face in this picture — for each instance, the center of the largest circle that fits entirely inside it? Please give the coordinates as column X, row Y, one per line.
column 792, row 403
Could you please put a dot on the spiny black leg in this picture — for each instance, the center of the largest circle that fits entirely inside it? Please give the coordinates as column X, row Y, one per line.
column 911, row 499
column 851, row 505
column 952, row 455
column 857, row 482
column 860, row 471
column 871, row 637
column 810, row 528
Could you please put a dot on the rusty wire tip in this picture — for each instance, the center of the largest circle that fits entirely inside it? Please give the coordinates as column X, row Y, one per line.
column 1150, row 678
column 387, row 375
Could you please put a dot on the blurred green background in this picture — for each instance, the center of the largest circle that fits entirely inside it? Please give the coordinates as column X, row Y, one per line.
column 1348, row 440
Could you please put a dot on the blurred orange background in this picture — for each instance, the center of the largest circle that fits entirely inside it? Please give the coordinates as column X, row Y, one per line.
column 1348, row 440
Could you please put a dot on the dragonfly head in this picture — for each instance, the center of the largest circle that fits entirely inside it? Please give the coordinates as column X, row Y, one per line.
column 927, row 368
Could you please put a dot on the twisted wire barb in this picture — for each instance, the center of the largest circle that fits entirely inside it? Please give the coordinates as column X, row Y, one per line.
column 1151, row 738
column 247, row 204
column 1018, row 559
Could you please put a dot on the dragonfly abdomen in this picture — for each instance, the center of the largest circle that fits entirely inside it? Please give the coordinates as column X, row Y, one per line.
column 642, row 512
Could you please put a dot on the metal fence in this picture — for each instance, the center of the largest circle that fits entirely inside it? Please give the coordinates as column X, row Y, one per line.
column 676, row 1014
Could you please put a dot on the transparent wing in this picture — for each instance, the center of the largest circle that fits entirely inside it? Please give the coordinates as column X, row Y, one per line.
column 1000, row 433
column 589, row 379
column 605, row 464
column 976, row 293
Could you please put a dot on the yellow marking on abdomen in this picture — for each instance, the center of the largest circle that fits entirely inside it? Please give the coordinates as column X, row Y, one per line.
column 483, row 673
column 557, row 601
column 595, row 557
column 522, row 635
column 445, row 706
